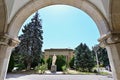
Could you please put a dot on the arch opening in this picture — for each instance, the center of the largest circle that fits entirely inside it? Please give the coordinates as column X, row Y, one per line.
column 67, row 20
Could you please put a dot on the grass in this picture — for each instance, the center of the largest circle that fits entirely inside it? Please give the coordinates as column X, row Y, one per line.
column 73, row 72
column 77, row 72
column 104, row 73
column 86, row 73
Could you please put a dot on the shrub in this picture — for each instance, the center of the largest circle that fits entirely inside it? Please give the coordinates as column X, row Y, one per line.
column 61, row 61
column 64, row 69
column 41, row 68
column 49, row 63
column 42, row 61
column 20, row 66
column 71, row 63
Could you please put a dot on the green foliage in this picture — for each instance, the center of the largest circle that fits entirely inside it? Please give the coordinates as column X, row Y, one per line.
column 64, row 69
column 71, row 63
column 49, row 63
column 35, row 63
column 102, row 55
column 61, row 61
column 20, row 66
column 31, row 42
column 42, row 61
column 41, row 68
column 84, row 60
column 18, row 60
column 11, row 64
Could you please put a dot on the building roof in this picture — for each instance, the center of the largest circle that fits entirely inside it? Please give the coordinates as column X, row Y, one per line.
column 59, row 49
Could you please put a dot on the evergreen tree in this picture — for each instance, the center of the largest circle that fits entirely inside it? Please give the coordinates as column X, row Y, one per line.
column 84, row 60
column 102, row 56
column 31, row 41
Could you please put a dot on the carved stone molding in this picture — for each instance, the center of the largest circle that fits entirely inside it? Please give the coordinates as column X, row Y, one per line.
column 5, row 40
column 110, row 38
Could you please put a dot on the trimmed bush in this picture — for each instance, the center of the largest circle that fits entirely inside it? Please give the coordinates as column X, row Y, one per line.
column 49, row 63
column 71, row 63
column 64, row 69
column 61, row 61
column 41, row 68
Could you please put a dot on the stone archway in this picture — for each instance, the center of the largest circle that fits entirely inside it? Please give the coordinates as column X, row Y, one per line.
column 33, row 6
column 2, row 17
column 110, row 39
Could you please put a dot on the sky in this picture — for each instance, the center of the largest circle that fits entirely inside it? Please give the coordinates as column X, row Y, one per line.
column 66, row 27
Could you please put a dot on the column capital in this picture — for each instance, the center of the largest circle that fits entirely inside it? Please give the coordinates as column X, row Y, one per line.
column 108, row 39
column 7, row 41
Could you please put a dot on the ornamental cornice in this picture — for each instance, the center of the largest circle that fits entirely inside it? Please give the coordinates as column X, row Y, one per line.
column 5, row 40
column 110, row 38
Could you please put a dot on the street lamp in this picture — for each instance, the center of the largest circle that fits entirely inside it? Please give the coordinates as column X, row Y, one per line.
column 95, row 48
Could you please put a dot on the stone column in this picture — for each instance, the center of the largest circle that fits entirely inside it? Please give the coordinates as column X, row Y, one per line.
column 6, row 45
column 112, row 44
column 66, row 57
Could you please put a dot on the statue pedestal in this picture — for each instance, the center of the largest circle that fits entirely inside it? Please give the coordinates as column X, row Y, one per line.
column 53, row 68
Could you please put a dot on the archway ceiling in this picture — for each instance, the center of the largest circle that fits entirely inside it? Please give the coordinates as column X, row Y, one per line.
column 12, row 6
column 2, row 17
column 115, row 15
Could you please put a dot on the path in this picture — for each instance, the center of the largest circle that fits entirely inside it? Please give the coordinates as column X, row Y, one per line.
column 56, row 77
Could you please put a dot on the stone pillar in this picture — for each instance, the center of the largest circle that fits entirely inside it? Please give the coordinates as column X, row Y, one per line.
column 6, row 45
column 66, row 57
column 5, row 53
column 112, row 44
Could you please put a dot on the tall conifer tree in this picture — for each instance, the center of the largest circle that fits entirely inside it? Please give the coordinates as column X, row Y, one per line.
column 84, row 60
column 31, row 41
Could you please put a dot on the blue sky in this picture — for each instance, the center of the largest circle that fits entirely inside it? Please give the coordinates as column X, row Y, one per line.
column 66, row 27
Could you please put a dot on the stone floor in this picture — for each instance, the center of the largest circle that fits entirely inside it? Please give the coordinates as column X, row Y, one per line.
column 56, row 77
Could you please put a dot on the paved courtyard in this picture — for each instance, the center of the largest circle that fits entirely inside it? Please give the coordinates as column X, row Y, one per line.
column 56, row 77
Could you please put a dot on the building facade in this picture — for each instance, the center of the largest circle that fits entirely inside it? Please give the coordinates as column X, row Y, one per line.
column 68, row 53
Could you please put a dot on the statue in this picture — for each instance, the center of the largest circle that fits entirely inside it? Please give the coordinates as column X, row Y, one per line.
column 54, row 59
column 53, row 66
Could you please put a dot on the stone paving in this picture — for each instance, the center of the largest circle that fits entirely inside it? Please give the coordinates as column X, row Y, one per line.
column 56, row 77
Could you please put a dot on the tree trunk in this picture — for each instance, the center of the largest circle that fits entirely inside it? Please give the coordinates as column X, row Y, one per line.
column 28, row 66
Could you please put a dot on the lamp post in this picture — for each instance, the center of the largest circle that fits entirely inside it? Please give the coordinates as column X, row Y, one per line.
column 95, row 48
